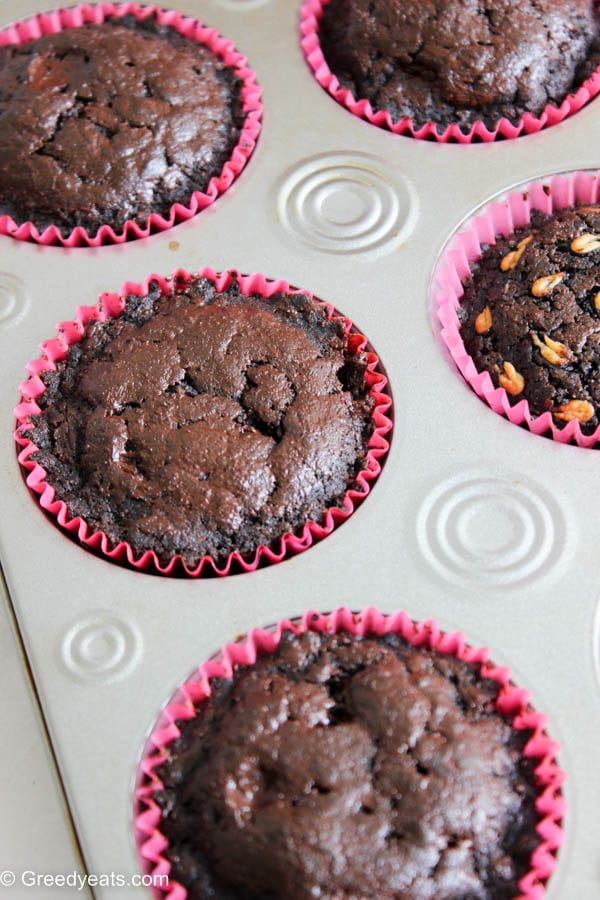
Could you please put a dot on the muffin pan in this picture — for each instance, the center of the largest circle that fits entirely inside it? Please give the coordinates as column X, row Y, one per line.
column 481, row 525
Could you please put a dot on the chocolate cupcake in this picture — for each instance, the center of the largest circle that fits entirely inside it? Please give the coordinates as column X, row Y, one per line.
column 117, row 126
column 447, row 70
column 204, row 420
column 523, row 322
column 530, row 315
column 354, row 758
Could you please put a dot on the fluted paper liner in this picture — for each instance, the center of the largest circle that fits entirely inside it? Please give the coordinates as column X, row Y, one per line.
column 512, row 702
column 289, row 544
column 311, row 14
column 453, row 269
column 62, row 19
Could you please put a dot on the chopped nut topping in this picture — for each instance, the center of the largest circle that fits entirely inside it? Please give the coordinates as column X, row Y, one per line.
column 546, row 284
column 511, row 380
column 585, row 243
column 483, row 322
column 581, row 410
column 588, row 209
column 511, row 259
column 553, row 351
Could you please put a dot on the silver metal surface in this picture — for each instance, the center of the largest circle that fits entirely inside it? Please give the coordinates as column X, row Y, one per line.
column 474, row 522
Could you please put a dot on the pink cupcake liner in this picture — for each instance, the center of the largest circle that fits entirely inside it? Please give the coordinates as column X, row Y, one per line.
column 62, row 19
column 111, row 305
column 454, row 267
column 511, row 701
column 310, row 17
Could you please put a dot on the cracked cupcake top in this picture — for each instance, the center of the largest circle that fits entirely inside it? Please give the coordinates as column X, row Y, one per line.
column 108, row 122
column 353, row 769
column 462, row 60
column 203, row 422
column 530, row 315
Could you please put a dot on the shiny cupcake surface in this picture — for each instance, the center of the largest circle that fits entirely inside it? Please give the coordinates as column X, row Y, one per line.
column 350, row 768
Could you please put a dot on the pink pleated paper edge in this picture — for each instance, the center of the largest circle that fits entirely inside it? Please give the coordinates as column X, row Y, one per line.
column 511, row 701
column 310, row 17
column 61, row 19
column 290, row 544
column 454, row 266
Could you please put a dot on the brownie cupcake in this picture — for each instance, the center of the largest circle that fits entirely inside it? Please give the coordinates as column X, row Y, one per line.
column 523, row 322
column 353, row 758
column 119, row 125
column 204, row 420
column 446, row 69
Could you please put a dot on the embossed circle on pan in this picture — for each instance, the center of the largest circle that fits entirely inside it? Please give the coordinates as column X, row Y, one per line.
column 347, row 203
column 13, row 299
column 101, row 648
column 490, row 531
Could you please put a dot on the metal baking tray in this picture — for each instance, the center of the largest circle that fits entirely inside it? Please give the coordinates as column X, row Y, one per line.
column 474, row 522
